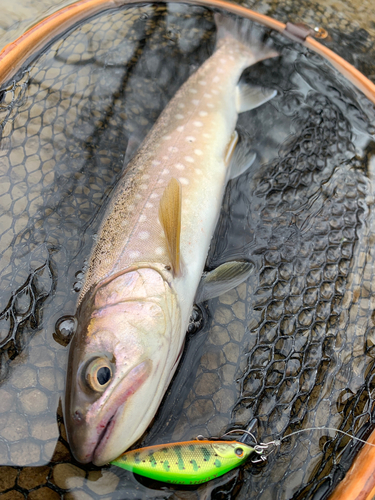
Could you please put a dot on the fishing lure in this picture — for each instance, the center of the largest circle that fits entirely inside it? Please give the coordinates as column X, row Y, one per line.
column 189, row 462
column 199, row 461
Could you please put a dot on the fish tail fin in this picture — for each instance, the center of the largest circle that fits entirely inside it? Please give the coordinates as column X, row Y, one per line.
column 243, row 37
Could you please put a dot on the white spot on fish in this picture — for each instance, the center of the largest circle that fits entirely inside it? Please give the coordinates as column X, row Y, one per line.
column 180, row 166
column 216, row 79
column 220, row 70
column 145, row 176
column 214, row 91
column 193, row 91
column 160, row 181
column 180, row 105
column 210, row 105
column 198, row 124
column 167, row 137
column 144, row 235
column 207, row 136
column 142, row 218
column 134, row 254
column 153, row 195
column 190, row 138
column 155, row 162
column 198, row 152
column 232, row 58
column 149, row 205
column 138, row 196
column 180, row 128
column 173, row 149
column 195, row 102
column 198, row 171
column 208, row 96
column 179, row 116
column 222, row 60
column 165, row 157
column 165, row 172
column 183, row 180
column 203, row 113
column 189, row 159
column 202, row 82
column 159, row 251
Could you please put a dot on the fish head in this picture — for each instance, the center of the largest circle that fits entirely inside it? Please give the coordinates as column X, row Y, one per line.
column 120, row 363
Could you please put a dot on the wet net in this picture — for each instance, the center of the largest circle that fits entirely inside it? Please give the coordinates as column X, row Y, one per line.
column 293, row 346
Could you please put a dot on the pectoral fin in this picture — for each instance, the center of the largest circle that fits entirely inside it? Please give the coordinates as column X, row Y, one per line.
column 222, row 279
column 239, row 156
column 248, row 97
column 170, row 220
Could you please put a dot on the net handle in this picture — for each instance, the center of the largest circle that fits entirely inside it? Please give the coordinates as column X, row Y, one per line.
column 16, row 54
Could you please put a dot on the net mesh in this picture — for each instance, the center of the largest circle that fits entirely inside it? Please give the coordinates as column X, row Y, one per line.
column 293, row 346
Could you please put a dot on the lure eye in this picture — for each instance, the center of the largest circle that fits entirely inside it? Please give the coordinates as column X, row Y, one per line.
column 98, row 374
column 239, row 452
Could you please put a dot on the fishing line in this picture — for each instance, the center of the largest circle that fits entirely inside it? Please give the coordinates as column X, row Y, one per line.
column 326, row 429
column 261, row 448
column 277, row 442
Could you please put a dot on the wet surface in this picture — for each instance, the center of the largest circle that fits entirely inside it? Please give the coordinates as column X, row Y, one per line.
column 292, row 346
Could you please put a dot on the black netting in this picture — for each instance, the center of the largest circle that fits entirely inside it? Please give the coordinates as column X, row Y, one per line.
column 293, row 346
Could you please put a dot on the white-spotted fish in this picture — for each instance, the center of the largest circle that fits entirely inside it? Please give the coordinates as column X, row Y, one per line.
column 145, row 270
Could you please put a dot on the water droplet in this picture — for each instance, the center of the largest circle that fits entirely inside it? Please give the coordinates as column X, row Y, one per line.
column 79, row 275
column 64, row 330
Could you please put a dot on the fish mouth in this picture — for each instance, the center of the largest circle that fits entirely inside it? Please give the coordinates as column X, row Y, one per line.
column 93, row 446
column 104, row 436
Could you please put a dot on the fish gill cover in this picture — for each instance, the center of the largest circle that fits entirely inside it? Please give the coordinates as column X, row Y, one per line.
column 292, row 346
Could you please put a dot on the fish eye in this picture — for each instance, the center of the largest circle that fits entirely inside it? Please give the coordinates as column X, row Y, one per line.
column 98, row 374
column 239, row 452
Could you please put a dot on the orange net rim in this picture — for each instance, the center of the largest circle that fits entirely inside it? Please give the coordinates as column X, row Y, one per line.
column 15, row 55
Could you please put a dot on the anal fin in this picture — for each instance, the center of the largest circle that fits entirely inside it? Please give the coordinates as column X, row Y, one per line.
column 170, row 220
column 249, row 97
column 241, row 156
column 222, row 279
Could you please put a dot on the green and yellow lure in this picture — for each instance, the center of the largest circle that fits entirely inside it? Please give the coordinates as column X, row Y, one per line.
column 189, row 462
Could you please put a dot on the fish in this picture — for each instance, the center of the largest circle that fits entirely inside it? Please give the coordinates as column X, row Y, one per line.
column 188, row 462
column 146, row 269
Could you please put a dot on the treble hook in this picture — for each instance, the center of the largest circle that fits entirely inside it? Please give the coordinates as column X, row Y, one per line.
column 260, row 449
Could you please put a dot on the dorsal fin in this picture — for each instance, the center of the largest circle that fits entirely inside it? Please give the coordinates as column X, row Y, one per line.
column 170, row 220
